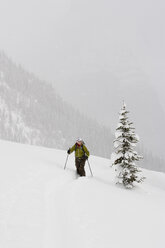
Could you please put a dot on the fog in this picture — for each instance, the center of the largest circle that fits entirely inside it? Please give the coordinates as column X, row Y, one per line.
column 50, row 37
column 87, row 48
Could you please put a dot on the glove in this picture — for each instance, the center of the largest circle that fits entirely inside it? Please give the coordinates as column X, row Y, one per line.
column 68, row 151
column 85, row 157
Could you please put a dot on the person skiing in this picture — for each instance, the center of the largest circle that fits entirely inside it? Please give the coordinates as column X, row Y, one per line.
column 81, row 155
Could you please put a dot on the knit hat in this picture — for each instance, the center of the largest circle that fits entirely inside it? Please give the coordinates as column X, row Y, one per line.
column 80, row 140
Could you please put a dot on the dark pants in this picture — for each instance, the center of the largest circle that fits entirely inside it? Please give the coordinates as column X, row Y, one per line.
column 80, row 164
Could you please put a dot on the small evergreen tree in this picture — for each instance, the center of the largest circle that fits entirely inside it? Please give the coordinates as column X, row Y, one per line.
column 124, row 157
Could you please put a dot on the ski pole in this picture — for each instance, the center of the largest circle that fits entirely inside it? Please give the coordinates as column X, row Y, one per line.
column 90, row 168
column 66, row 161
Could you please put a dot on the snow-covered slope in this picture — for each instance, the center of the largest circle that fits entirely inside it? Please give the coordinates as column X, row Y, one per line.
column 41, row 205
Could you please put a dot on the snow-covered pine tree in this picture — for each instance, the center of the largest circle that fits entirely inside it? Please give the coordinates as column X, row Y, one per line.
column 125, row 156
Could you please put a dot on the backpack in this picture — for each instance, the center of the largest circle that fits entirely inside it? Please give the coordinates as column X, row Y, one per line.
column 81, row 148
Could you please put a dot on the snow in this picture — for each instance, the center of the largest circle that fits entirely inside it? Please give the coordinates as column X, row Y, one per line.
column 41, row 205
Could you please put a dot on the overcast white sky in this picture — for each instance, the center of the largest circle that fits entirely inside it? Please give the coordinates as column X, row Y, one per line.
column 57, row 38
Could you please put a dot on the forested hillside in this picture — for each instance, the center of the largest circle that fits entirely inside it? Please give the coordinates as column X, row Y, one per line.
column 32, row 112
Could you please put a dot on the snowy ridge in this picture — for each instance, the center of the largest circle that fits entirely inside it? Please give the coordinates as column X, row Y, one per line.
column 44, row 206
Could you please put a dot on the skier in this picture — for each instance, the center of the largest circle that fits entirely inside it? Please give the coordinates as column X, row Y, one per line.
column 81, row 155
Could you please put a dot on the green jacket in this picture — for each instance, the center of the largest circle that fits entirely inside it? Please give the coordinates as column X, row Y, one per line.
column 79, row 151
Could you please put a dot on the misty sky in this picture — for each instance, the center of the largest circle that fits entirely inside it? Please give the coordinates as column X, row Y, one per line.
column 57, row 39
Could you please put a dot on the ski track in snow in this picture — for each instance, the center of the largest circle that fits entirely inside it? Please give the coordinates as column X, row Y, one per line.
column 44, row 206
